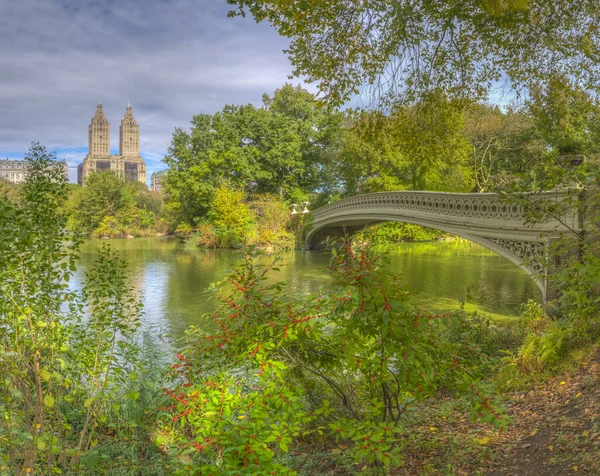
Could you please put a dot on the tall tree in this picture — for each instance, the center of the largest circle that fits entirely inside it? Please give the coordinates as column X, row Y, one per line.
column 419, row 147
column 404, row 48
column 507, row 147
column 567, row 117
column 280, row 148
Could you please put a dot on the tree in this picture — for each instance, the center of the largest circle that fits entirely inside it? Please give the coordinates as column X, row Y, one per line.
column 403, row 49
column 507, row 148
column 419, row 147
column 280, row 148
column 231, row 217
column 370, row 158
column 430, row 134
column 567, row 117
column 9, row 191
column 112, row 206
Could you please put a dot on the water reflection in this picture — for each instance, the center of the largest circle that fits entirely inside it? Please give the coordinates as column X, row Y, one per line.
column 172, row 281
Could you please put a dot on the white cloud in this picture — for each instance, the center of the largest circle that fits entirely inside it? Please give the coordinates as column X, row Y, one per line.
column 171, row 58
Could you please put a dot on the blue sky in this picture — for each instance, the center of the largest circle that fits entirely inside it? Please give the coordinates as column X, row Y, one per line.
column 170, row 58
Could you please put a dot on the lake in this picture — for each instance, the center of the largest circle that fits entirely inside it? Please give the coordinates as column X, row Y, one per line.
column 172, row 281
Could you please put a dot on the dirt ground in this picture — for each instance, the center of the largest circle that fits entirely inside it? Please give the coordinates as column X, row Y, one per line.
column 555, row 431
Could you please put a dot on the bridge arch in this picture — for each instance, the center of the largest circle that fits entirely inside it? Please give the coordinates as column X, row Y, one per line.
column 482, row 218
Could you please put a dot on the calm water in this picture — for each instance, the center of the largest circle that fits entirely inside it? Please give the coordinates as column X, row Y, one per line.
column 172, row 280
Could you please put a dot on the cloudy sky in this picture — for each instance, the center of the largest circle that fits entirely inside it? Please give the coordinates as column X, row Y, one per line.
column 171, row 58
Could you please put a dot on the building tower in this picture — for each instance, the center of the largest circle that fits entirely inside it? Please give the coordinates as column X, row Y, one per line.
column 99, row 134
column 129, row 143
column 129, row 163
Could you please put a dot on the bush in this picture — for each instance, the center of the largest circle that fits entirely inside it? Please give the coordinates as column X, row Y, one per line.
column 184, row 229
column 480, row 331
column 273, row 220
column 345, row 364
column 62, row 355
column 230, row 216
column 397, row 232
column 203, row 237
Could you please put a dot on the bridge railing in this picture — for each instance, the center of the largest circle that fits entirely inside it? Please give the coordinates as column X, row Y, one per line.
column 484, row 206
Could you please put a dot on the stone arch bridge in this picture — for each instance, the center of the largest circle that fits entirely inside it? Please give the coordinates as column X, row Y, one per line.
column 484, row 218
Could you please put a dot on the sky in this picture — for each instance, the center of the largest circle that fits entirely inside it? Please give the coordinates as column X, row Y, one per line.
column 171, row 59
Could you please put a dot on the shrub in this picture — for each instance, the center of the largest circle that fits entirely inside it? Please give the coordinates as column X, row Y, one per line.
column 397, row 232
column 184, row 229
column 204, row 237
column 230, row 216
column 479, row 330
column 109, row 227
column 273, row 220
column 345, row 364
column 60, row 364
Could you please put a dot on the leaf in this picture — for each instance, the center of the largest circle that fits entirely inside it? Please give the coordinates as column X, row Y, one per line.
column 48, row 401
column 45, row 375
column 283, row 446
column 88, row 402
column 484, row 441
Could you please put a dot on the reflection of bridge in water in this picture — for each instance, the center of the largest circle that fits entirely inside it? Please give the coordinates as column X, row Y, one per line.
column 484, row 218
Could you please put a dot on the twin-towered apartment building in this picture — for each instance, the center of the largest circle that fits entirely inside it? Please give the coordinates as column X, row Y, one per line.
column 128, row 162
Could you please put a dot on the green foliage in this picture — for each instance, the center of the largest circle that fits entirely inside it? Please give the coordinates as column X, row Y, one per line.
column 280, row 148
column 507, row 148
column 573, row 277
column 231, row 217
column 370, row 158
column 9, row 191
column 204, row 236
column 421, row 147
column 273, row 222
column 567, row 117
column 61, row 366
column 479, row 330
column 430, row 134
column 110, row 206
column 184, row 229
column 404, row 50
column 397, row 232
column 345, row 364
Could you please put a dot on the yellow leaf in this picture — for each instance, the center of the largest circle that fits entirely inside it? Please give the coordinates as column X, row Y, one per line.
column 575, row 468
column 45, row 375
column 88, row 402
column 48, row 401
column 484, row 441
column 585, row 433
column 578, row 395
column 563, row 382
column 550, row 447
column 241, row 417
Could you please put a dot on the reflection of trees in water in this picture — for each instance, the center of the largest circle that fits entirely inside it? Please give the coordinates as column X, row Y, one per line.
column 439, row 248
column 463, row 269
column 174, row 280
column 184, row 258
